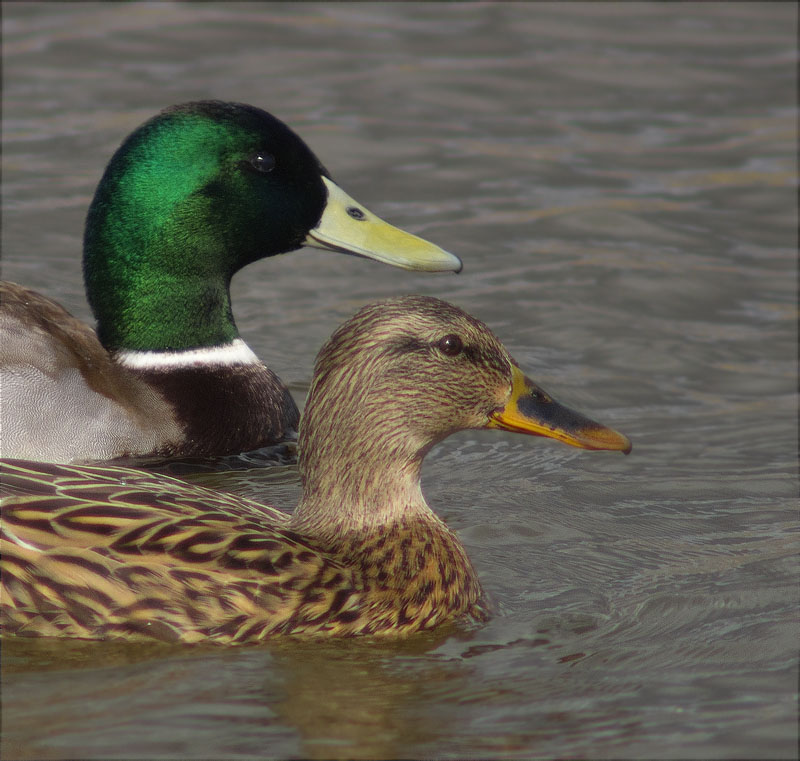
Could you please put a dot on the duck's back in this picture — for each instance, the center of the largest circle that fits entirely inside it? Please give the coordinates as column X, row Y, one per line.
column 114, row 553
column 62, row 398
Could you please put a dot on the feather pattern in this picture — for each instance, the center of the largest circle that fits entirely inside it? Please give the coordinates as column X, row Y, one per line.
column 110, row 552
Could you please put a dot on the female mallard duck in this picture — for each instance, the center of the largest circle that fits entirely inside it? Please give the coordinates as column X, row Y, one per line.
column 189, row 198
column 113, row 552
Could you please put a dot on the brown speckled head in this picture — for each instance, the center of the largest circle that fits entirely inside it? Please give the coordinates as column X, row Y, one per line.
column 394, row 380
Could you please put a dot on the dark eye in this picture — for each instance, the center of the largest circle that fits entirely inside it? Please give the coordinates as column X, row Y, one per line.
column 356, row 213
column 262, row 162
column 450, row 345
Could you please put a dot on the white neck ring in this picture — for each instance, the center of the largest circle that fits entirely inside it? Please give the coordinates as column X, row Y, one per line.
column 237, row 352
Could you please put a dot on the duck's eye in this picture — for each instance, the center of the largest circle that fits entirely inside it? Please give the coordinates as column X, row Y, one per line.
column 356, row 213
column 450, row 345
column 262, row 162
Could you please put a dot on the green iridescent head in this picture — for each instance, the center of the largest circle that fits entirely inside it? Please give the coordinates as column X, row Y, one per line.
column 196, row 193
column 191, row 196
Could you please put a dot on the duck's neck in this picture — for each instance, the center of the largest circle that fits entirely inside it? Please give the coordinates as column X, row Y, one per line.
column 414, row 571
column 360, row 465
column 359, row 462
column 140, row 308
column 355, row 492
column 141, row 313
column 160, row 249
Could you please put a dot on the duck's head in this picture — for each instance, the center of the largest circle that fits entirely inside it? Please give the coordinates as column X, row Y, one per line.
column 204, row 188
column 400, row 376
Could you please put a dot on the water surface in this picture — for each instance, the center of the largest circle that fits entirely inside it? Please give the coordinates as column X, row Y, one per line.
column 620, row 181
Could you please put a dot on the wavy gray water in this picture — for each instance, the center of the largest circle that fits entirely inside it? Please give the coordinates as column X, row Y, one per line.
column 620, row 180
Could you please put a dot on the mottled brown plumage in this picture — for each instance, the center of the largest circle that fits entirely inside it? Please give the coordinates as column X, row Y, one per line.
column 112, row 552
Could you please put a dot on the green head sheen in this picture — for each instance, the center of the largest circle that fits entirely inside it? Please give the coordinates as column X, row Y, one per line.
column 190, row 197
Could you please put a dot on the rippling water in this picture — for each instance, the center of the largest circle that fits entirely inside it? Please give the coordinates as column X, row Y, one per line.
column 620, row 180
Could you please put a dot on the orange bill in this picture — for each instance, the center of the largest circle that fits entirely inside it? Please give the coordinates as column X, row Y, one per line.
column 533, row 411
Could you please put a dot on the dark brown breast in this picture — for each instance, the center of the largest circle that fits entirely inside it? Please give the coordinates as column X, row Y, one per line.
column 226, row 410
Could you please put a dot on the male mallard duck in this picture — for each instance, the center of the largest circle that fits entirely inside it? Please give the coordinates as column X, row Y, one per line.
column 112, row 552
column 188, row 199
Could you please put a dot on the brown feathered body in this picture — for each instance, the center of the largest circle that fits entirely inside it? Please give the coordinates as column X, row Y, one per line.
column 116, row 553
column 112, row 553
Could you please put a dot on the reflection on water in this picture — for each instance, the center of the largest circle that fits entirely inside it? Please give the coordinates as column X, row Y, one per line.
column 620, row 181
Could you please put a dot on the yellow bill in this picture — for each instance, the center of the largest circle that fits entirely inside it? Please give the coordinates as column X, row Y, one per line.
column 347, row 227
column 531, row 410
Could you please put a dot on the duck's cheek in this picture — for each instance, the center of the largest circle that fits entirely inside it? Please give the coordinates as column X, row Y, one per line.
column 483, row 416
column 503, row 396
